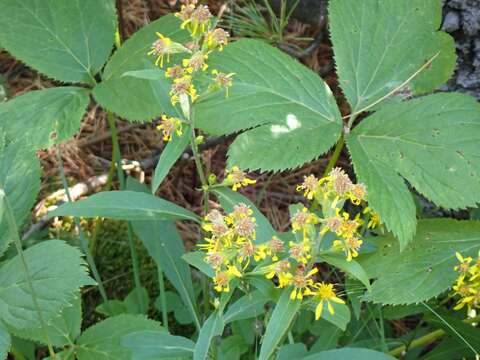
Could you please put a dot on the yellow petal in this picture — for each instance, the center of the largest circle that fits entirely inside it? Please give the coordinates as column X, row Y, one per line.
column 330, row 308
column 318, row 310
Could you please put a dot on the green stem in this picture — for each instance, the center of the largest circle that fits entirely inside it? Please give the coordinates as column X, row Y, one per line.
column 81, row 235
column 163, row 297
column 290, row 337
column 335, row 155
column 116, row 157
column 18, row 244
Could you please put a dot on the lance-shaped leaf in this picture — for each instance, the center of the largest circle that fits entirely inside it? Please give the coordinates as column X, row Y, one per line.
column 432, row 142
column 66, row 40
column 57, row 271
column 248, row 306
column 279, row 324
column 103, row 340
column 19, row 171
column 424, row 269
column 135, row 98
column 45, row 117
column 292, row 110
column 374, row 54
column 147, row 345
column 125, row 205
column 211, row 328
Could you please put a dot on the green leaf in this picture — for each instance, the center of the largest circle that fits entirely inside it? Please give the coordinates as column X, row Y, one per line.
column 149, row 345
column 68, row 40
column 196, row 259
column 400, row 141
column 212, row 327
column 174, row 303
column 103, row 340
column 5, row 343
column 148, row 74
column 169, row 156
column 340, row 318
column 375, row 55
column 279, row 323
column 349, row 354
column 293, row 112
column 449, row 348
column 57, row 271
column 352, row 268
column 130, row 97
column 19, row 170
column 112, row 308
column 248, row 306
column 125, row 205
column 232, row 348
column 229, row 198
column 137, row 301
column 424, row 269
column 62, row 330
column 292, row 352
column 45, row 117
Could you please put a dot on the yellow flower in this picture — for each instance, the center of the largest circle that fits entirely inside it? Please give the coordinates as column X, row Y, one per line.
column 196, row 63
column 183, row 86
column 324, row 293
column 160, row 48
column 374, row 219
column 222, row 80
column 301, row 283
column 174, row 72
column 195, row 19
column 280, row 269
column 464, row 267
column 170, row 125
column 237, row 178
column 216, row 38
column 350, row 246
column 309, row 186
column 274, row 246
column 357, row 193
column 303, row 220
column 222, row 278
column 300, row 251
column 260, row 252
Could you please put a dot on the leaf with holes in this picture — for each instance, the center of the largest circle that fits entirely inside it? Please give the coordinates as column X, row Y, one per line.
column 292, row 110
column 68, row 40
column 375, row 55
column 424, row 269
column 432, row 142
column 134, row 98
column 46, row 117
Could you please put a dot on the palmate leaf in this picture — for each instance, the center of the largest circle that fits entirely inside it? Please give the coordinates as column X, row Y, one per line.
column 19, row 171
column 375, row 51
column 424, row 269
column 102, row 341
column 292, row 110
column 433, row 143
column 57, row 271
column 68, row 40
column 133, row 98
column 45, row 117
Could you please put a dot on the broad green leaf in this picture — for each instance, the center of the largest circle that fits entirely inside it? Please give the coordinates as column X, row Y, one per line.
column 400, row 311
column 400, row 141
column 169, row 156
column 62, row 330
column 45, row 117
column 19, row 171
column 211, row 328
column 5, row 343
column 125, row 205
column 375, row 52
column 229, row 198
column 57, row 271
column 112, row 308
column 293, row 112
column 197, row 260
column 353, row 268
column 149, row 345
column 349, row 354
column 449, row 348
column 248, row 306
column 130, row 97
column 103, row 340
column 327, row 335
column 424, row 269
column 278, row 325
column 137, row 301
column 232, row 348
column 68, row 40
column 148, row 74
column 292, row 352
column 340, row 318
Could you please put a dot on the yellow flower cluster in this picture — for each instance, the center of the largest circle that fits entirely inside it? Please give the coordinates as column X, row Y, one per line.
column 237, row 178
column 467, row 286
column 206, row 38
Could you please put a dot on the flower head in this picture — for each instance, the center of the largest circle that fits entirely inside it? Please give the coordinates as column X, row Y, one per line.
column 300, row 252
column 222, row 80
column 324, row 293
column 196, row 63
column 237, row 178
column 183, row 86
column 309, row 186
column 216, row 38
column 175, row 72
column 301, row 281
column 340, row 181
column 160, row 48
column 169, row 126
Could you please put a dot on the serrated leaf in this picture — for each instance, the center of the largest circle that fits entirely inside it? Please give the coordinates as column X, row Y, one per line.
column 229, row 198
column 279, row 323
column 211, row 328
column 169, row 156
column 148, row 345
column 68, row 40
column 125, row 205
column 401, row 139
column 45, row 117
column 103, row 340
column 349, row 354
column 375, row 55
column 19, row 170
column 57, row 271
column 424, row 269
column 133, row 98
column 293, row 111
column 5, row 343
